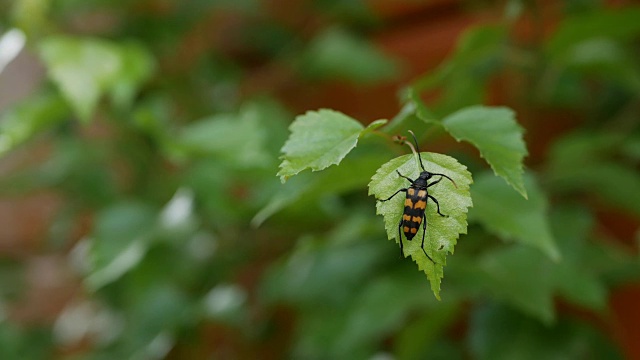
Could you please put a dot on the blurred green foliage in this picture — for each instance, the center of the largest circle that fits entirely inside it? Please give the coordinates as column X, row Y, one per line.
column 192, row 247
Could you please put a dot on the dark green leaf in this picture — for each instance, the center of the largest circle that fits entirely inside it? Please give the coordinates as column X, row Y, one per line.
column 575, row 276
column 522, row 277
column 512, row 217
column 498, row 333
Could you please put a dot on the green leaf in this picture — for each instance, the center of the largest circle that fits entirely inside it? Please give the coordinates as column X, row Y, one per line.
column 86, row 68
column 442, row 232
column 373, row 126
column 522, row 277
column 318, row 140
column 512, row 217
column 495, row 132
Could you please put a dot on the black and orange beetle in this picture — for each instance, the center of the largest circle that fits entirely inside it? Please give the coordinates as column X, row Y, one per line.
column 415, row 203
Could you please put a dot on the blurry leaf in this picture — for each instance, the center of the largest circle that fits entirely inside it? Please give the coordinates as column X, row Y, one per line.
column 442, row 232
column 526, row 279
column 87, row 321
column 239, row 139
column 618, row 24
column 354, row 173
column 586, row 162
column 575, row 276
column 514, row 9
column 119, row 242
column 631, row 148
column 612, row 262
column 318, row 140
column 30, row 118
column 603, row 57
column 374, row 126
column 478, row 48
column 32, row 17
column 350, row 11
column 12, row 278
column 522, row 277
column 498, row 333
column 462, row 78
column 370, row 316
column 329, row 269
column 21, row 342
column 512, row 217
column 226, row 302
column 136, row 65
column 405, row 119
column 356, row 331
column 11, row 44
column 77, row 167
column 414, row 113
column 480, row 45
column 85, row 68
column 496, row 133
column 616, row 184
column 177, row 217
column 336, row 53
column 154, row 315
column 422, row 335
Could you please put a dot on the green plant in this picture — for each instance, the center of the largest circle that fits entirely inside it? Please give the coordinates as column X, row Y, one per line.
column 162, row 157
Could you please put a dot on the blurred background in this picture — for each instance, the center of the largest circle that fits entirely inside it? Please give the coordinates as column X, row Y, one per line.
column 141, row 216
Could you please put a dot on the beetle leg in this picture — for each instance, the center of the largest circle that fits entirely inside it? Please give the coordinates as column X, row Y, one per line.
column 400, row 238
column 450, row 179
column 438, row 205
column 424, row 231
column 402, row 176
column 394, row 194
column 435, row 182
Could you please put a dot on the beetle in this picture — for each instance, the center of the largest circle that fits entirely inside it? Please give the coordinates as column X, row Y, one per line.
column 415, row 203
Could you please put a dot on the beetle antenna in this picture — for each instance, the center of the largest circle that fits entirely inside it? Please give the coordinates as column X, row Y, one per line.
column 450, row 179
column 417, row 150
